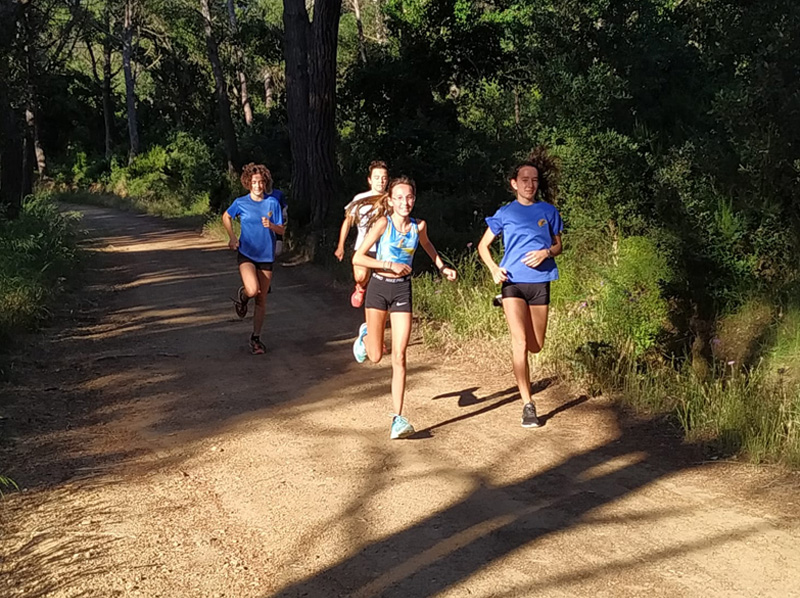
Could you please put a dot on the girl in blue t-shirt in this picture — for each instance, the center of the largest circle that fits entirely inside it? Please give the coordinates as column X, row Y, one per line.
column 396, row 238
column 531, row 228
column 261, row 218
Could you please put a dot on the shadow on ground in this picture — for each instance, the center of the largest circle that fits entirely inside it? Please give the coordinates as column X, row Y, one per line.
column 454, row 544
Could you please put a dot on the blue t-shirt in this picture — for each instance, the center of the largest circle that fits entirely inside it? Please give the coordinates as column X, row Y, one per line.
column 524, row 229
column 278, row 194
column 256, row 241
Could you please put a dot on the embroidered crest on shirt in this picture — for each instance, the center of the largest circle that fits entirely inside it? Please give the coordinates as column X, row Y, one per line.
column 542, row 222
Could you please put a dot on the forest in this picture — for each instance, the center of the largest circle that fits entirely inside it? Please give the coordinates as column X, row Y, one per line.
column 676, row 124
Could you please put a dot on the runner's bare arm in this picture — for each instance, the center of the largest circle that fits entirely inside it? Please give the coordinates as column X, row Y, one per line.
column 447, row 272
column 227, row 222
column 278, row 229
column 343, row 232
column 533, row 258
column 498, row 274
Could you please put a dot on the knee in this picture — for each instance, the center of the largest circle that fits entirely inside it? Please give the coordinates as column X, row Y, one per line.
column 519, row 345
column 251, row 291
column 399, row 359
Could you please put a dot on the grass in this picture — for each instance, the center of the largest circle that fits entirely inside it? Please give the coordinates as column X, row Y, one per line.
column 38, row 255
column 170, row 208
column 750, row 411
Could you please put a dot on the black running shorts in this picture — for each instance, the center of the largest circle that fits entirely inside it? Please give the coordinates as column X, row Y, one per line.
column 534, row 293
column 389, row 294
column 243, row 259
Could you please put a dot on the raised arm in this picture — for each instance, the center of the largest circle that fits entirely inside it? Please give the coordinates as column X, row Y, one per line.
column 425, row 241
column 343, row 232
column 532, row 259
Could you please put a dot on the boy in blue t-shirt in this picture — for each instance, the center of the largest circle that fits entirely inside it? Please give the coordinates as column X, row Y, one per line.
column 261, row 217
column 531, row 228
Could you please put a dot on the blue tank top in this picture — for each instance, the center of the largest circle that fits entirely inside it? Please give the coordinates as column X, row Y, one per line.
column 394, row 246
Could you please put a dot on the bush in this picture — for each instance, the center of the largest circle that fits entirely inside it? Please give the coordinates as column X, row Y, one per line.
column 177, row 179
column 37, row 253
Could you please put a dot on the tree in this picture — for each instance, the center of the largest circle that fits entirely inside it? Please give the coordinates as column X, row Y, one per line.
column 130, row 93
column 11, row 136
column 310, row 50
column 244, row 97
column 220, row 90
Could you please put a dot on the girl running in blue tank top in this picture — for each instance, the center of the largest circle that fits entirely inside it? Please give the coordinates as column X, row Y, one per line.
column 389, row 292
column 531, row 229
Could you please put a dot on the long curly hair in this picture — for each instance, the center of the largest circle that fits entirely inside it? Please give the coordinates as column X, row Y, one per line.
column 250, row 169
column 549, row 170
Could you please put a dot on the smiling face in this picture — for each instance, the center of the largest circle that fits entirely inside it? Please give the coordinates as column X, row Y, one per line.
column 257, row 185
column 378, row 179
column 402, row 199
column 526, row 184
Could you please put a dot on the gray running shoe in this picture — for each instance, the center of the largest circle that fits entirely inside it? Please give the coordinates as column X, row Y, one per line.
column 240, row 303
column 529, row 419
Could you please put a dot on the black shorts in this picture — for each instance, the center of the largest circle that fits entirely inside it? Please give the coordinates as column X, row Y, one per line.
column 389, row 294
column 534, row 293
column 243, row 259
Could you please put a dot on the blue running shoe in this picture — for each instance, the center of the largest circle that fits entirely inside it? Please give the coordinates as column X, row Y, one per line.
column 401, row 428
column 359, row 347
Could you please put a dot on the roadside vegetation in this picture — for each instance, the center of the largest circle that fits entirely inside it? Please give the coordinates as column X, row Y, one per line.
column 671, row 121
column 38, row 258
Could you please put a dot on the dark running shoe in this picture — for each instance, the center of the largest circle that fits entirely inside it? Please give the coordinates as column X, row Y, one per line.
column 240, row 303
column 256, row 346
column 497, row 301
column 529, row 419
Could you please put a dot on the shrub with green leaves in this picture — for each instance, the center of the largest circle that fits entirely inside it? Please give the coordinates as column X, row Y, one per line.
column 37, row 253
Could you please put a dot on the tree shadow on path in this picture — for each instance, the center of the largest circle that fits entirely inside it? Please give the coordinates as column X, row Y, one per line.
column 452, row 545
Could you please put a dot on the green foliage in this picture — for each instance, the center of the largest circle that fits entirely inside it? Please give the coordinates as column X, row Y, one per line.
column 177, row 179
column 459, row 311
column 37, row 255
column 6, row 482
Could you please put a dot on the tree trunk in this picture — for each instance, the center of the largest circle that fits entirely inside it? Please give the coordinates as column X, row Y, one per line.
column 11, row 162
column 245, row 98
column 517, row 111
column 32, row 96
column 33, row 126
column 28, row 158
column 130, row 95
column 322, row 108
column 380, row 23
column 362, row 47
column 221, row 91
column 108, row 106
column 268, row 92
column 296, row 33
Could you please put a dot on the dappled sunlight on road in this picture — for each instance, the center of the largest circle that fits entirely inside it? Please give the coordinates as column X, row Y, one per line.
column 217, row 471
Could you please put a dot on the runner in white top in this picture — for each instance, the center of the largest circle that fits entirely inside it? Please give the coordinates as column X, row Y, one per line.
column 357, row 213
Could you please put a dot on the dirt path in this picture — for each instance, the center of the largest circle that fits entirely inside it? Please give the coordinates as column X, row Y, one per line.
column 161, row 459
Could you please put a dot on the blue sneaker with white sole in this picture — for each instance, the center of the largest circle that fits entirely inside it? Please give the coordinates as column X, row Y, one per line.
column 359, row 347
column 401, row 428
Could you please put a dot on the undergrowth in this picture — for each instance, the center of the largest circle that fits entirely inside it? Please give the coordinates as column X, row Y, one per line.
column 604, row 329
column 38, row 255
